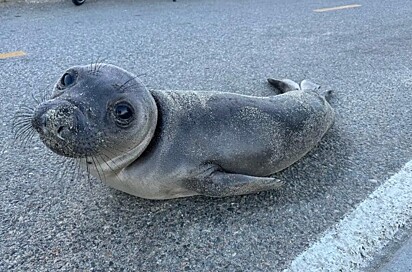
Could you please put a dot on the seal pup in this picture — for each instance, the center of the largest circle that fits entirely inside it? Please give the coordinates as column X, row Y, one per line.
column 168, row 144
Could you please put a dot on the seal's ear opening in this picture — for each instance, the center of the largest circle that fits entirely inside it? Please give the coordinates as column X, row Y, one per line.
column 284, row 85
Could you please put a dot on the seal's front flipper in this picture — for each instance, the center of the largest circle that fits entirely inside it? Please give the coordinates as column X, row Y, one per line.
column 220, row 184
column 284, row 85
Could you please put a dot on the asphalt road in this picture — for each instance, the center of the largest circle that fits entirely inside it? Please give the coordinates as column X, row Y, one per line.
column 402, row 259
column 51, row 221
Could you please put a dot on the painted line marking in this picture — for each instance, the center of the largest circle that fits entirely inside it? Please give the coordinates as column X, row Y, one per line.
column 352, row 243
column 12, row 54
column 337, row 8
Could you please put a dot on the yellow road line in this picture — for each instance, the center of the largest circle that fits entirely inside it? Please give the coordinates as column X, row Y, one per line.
column 337, row 8
column 12, row 54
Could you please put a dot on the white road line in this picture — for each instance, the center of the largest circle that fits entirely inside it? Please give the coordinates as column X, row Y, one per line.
column 337, row 8
column 360, row 235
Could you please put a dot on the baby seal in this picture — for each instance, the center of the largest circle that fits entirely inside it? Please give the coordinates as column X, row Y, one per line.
column 167, row 144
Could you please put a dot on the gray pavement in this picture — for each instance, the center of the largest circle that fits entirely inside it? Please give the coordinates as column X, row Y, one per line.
column 400, row 261
column 51, row 221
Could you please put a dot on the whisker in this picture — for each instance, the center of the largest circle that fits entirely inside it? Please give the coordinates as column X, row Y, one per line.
column 90, row 69
column 21, row 120
column 46, row 92
column 99, row 65
column 112, row 158
column 94, row 64
column 101, row 168
column 110, row 152
column 18, row 125
column 108, row 158
column 88, row 172
column 22, row 131
column 138, row 82
column 79, row 170
column 25, row 108
column 38, row 102
column 108, row 165
column 21, row 117
column 24, row 136
column 124, row 84
column 97, row 169
column 24, row 139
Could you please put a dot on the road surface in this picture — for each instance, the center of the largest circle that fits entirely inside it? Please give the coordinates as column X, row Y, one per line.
column 51, row 221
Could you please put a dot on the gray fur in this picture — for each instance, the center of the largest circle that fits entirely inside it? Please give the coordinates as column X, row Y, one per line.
column 185, row 142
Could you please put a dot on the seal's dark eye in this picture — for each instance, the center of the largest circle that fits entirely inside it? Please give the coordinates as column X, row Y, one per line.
column 67, row 79
column 124, row 113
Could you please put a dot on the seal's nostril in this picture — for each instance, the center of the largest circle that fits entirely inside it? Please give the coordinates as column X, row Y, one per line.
column 60, row 129
column 60, row 132
column 40, row 121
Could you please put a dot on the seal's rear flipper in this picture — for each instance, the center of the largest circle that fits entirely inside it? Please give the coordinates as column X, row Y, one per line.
column 307, row 85
column 284, row 85
column 220, row 184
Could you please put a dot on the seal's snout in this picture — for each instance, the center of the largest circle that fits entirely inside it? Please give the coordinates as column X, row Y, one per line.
column 61, row 127
column 57, row 120
column 39, row 119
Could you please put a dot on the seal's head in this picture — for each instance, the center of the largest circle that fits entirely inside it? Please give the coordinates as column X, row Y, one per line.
column 97, row 110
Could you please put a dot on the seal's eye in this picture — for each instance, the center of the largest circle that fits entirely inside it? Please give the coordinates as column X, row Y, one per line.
column 67, row 79
column 123, row 113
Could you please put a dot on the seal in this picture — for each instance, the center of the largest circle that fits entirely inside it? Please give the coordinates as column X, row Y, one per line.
column 168, row 144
